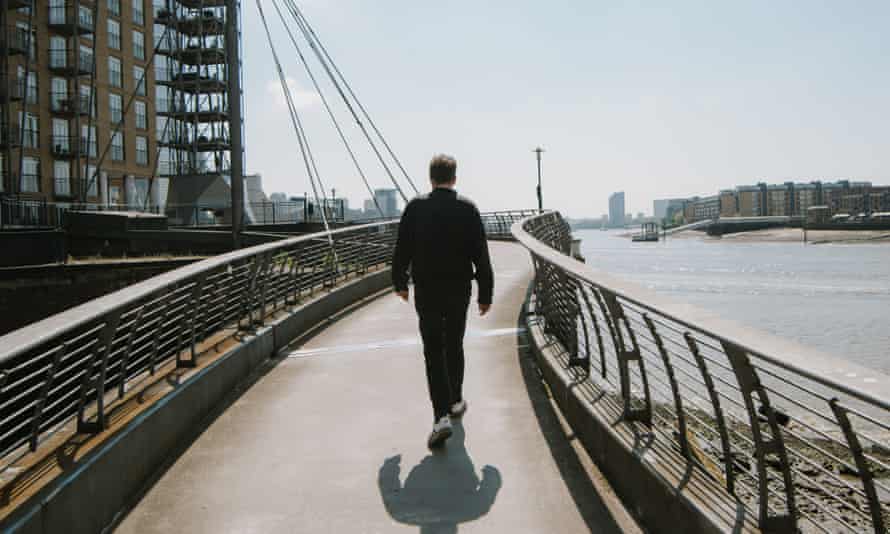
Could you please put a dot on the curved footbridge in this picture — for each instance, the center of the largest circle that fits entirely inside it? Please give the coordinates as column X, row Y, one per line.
column 281, row 388
column 333, row 439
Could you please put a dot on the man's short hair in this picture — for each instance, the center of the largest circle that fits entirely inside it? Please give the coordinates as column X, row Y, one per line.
column 443, row 169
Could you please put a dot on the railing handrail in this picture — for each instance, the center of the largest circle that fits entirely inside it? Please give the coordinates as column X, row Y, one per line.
column 31, row 336
column 731, row 400
column 758, row 343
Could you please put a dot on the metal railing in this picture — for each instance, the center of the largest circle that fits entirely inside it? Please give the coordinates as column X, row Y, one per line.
column 78, row 365
column 799, row 450
column 30, row 213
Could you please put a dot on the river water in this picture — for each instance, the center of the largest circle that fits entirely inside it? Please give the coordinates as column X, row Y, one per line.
column 835, row 298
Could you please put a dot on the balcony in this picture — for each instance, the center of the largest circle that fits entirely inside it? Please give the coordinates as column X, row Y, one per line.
column 64, row 62
column 15, row 41
column 11, row 136
column 69, row 106
column 198, row 4
column 13, row 91
column 207, row 23
column 194, row 83
column 64, row 146
column 193, row 115
column 201, row 144
column 67, row 20
column 195, row 55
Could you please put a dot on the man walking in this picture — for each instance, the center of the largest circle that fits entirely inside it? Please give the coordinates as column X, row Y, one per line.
column 442, row 240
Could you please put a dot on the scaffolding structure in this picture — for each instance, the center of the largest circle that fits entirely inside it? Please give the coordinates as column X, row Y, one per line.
column 195, row 115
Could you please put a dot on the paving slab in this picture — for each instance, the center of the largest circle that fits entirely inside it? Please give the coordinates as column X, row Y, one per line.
column 333, row 439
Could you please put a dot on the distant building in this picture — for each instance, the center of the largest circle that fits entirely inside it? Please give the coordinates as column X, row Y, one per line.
column 388, row 200
column 750, row 200
column 701, row 209
column 729, row 203
column 662, row 209
column 616, row 210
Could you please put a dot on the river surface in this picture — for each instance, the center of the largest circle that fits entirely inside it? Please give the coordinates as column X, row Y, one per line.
column 835, row 298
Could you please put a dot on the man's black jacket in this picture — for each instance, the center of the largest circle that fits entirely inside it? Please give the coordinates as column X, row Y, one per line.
column 442, row 238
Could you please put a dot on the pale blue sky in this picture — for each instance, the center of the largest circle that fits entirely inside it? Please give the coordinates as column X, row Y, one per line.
column 658, row 99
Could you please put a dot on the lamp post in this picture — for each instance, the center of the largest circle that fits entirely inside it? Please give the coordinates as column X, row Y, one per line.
column 539, row 151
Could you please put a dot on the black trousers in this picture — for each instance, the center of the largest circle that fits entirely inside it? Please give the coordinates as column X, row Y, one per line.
column 442, row 310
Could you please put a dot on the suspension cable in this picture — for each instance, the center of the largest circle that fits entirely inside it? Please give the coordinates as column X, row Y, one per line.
column 392, row 154
column 295, row 14
column 327, row 107
column 295, row 120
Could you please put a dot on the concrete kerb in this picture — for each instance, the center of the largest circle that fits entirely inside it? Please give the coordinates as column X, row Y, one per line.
column 90, row 496
column 658, row 486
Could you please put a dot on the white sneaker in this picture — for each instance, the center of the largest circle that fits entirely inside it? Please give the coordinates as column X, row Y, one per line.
column 458, row 409
column 441, row 432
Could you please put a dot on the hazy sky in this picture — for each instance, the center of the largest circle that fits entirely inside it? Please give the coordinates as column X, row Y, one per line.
column 659, row 99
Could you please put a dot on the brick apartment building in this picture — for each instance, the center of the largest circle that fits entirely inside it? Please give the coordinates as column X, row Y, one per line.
column 87, row 60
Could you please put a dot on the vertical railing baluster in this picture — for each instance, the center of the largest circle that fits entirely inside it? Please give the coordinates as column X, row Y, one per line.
column 266, row 274
column 749, row 384
column 100, row 356
column 718, row 410
column 586, row 360
column 194, row 308
column 675, row 387
column 865, row 473
column 596, row 329
column 125, row 360
column 295, row 275
column 37, row 417
column 248, row 294
column 625, row 356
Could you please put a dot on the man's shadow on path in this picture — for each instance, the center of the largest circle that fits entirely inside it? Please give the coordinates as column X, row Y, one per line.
column 441, row 491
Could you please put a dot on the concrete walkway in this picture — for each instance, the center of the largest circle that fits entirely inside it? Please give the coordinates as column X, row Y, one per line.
column 333, row 439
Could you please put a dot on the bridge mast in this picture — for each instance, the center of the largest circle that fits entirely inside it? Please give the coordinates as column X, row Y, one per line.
column 236, row 172
column 539, row 151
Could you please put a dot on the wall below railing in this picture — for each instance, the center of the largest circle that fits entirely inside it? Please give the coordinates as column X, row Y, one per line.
column 96, row 490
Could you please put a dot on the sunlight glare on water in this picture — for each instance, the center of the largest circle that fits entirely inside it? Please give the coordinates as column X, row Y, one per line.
column 835, row 298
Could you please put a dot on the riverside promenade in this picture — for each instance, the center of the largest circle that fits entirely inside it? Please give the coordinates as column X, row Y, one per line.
column 332, row 438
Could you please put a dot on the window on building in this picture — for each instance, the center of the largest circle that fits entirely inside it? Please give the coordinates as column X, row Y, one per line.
column 58, row 52
column 60, row 137
column 115, row 105
column 117, row 147
column 138, row 12
column 141, row 150
column 57, row 12
column 114, row 34
column 59, row 93
column 114, row 7
column 85, row 17
column 22, row 32
column 138, row 45
column 85, row 94
column 30, row 175
column 115, row 75
column 32, row 83
column 141, row 115
column 86, row 58
column 162, row 99
column 31, row 130
column 88, row 139
column 62, row 178
column 139, row 80
column 92, row 180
